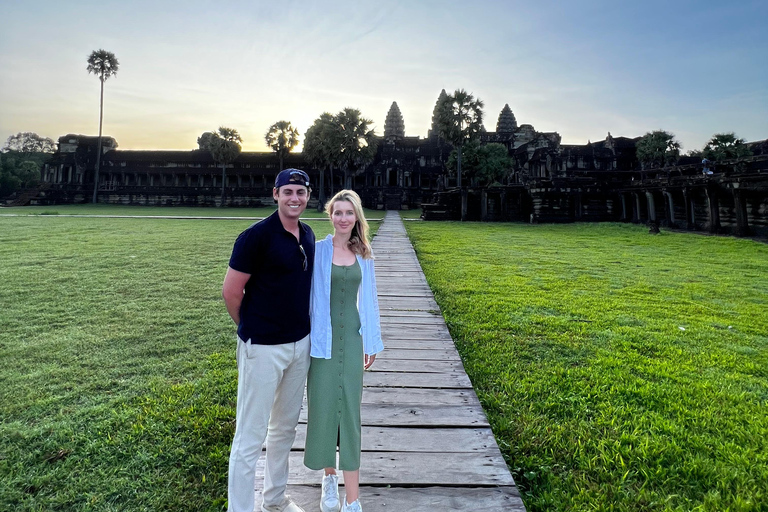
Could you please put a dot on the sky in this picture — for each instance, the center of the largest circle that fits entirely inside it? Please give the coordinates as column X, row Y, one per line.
column 580, row 68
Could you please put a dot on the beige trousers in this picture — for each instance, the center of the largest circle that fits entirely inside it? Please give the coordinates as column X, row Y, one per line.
column 270, row 389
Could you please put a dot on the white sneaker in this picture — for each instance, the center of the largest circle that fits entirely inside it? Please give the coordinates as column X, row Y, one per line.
column 329, row 499
column 352, row 507
column 286, row 506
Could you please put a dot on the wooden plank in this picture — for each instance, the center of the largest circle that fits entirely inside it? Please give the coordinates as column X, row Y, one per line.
column 407, row 300
column 416, row 380
column 397, row 318
column 399, row 293
column 410, row 313
column 413, row 468
column 391, row 439
column 435, row 354
column 397, row 344
column 384, row 415
column 416, row 396
column 416, row 331
column 416, row 499
column 407, row 305
column 416, row 365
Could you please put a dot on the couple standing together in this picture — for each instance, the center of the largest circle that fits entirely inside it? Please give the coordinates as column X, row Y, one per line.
column 304, row 311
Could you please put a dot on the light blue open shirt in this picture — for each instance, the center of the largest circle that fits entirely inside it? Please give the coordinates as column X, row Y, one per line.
column 320, row 304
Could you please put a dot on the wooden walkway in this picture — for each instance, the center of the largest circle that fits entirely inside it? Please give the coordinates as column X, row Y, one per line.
column 426, row 442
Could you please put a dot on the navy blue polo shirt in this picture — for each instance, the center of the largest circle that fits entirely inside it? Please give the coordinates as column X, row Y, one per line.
column 275, row 306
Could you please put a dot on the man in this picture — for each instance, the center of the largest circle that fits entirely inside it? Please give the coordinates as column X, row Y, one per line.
column 266, row 291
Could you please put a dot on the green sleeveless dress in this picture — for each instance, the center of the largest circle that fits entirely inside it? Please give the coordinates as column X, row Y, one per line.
column 335, row 385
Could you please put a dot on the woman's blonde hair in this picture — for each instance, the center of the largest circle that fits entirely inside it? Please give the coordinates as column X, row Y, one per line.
column 358, row 238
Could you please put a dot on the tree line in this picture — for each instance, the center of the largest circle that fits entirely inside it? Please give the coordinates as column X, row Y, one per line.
column 660, row 148
column 345, row 142
column 21, row 159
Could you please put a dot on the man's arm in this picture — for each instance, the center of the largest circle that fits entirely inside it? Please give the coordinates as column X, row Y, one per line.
column 232, row 291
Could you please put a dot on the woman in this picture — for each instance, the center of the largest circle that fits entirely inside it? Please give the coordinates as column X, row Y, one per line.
column 345, row 338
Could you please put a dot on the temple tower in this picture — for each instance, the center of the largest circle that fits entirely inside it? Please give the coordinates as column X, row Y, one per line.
column 394, row 127
column 434, row 132
column 507, row 122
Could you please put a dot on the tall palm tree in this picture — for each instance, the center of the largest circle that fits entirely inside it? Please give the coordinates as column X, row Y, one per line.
column 319, row 150
column 460, row 119
column 103, row 64
column 356, row 142
column 282, row 137
column 224, row 145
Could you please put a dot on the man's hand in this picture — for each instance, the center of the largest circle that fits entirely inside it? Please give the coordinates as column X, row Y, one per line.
column 232, row 291
column 369, row 361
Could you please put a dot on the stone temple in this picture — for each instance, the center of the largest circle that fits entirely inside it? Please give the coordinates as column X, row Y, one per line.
column 549, row 182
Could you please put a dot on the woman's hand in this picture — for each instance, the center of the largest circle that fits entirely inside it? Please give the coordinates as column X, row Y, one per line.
column 369, row 361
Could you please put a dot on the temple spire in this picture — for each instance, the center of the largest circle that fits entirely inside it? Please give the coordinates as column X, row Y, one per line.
column 435, row 114
column 507, row 122
column 394, row 126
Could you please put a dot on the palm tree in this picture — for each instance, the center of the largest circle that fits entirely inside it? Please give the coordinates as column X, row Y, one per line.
column 356, row 142
column 460, row 119
column 103, row 64
column 282, row 137
column 656, row 149
column 725, row 146
column 319, row 144
column 224, row 145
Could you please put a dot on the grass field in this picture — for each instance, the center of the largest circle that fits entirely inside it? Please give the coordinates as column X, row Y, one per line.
column 144, row 211
column 620, row 371
column 118, row 380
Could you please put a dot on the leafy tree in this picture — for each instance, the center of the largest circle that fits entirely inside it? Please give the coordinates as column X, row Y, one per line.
column 9, row 181
column 494, row 163
column 27, row 143
column 657, row 149
column 282, row 137
column 355, row 142
column 224, row 146
column 320, row 150
column 725, row 146
column 21, row 159
column 204, row 141
column 484, row 164
column 29, row 174
column 103, row 64
column 470, row 160
column 16, row 173
column 460, row 120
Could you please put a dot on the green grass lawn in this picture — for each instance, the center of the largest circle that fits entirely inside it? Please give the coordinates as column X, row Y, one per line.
column 410, row 214
column 180, row 211
column 619, row 370
column 118, row 379
column 117, row 382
